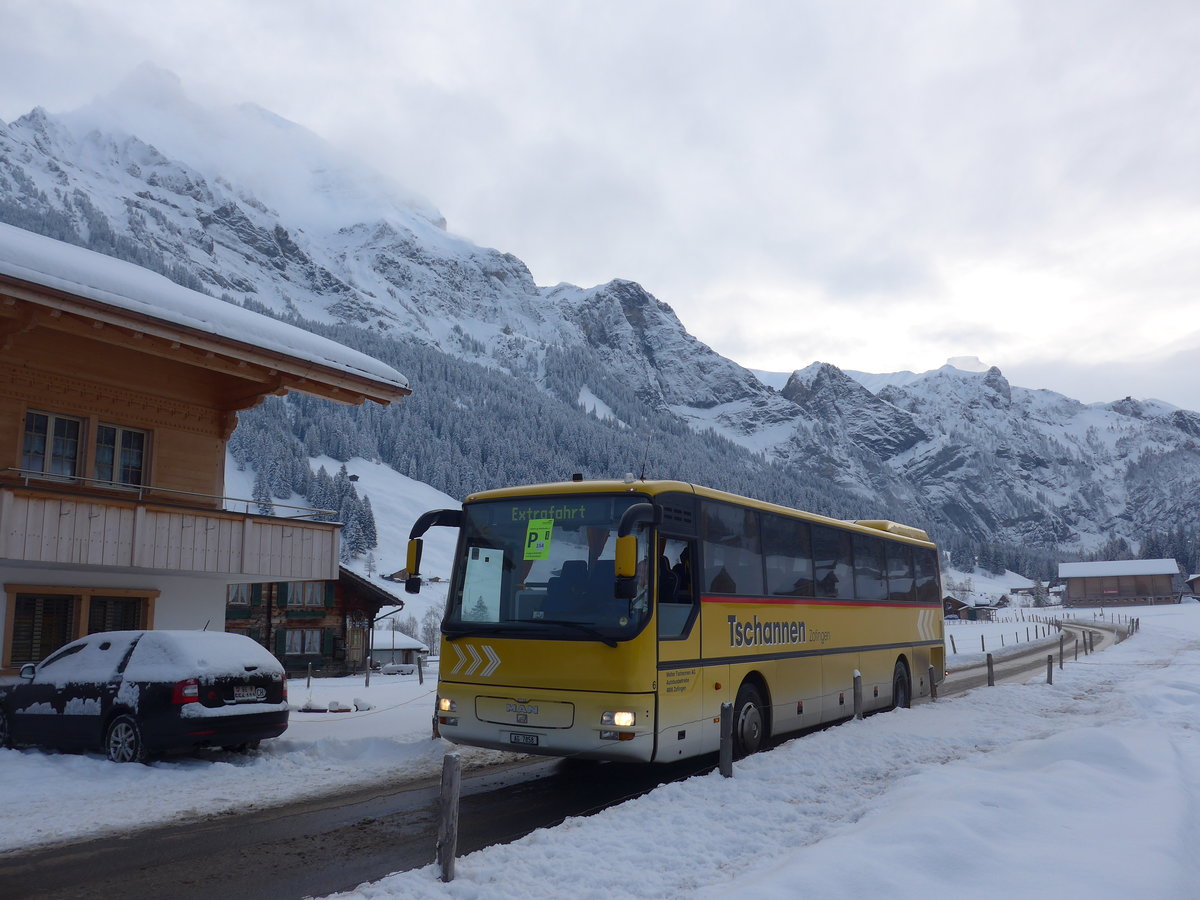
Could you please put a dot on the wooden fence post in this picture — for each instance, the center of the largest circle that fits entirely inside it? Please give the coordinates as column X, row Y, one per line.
column 726, row 760
column 953, row 649
column 1061, row 640
column 447, row 842
column 420, row 669
column 991, row 672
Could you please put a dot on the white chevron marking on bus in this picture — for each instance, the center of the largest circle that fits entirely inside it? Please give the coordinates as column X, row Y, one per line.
column 476, row 659
column 493, row 665
column 461, row 659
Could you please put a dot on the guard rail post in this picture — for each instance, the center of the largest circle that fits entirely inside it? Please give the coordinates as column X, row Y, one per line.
column 726, row 760
column 447, row 842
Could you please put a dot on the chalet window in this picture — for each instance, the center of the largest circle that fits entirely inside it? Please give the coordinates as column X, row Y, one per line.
column 239, row 595
column 52, row 444
column 46, row 618
column 310, row 593
column 120, row 454
column 41, row 624
column 304, row 640
column 115, row 613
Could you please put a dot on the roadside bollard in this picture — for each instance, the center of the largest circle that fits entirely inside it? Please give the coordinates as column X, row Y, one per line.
column 932, row 684
column 991, row 671
column 858, row 697
column 726, row 758
column 1050, row 669
column 447, row 842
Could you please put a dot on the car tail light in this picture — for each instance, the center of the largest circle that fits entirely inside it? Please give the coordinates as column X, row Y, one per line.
column 285, row 688
column 187, row 691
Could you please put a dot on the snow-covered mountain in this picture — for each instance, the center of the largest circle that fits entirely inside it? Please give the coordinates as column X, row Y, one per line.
column 249, row 207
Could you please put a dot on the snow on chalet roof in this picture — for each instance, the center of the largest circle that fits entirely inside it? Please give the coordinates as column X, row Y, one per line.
column 1118, row 567
column 85, row 273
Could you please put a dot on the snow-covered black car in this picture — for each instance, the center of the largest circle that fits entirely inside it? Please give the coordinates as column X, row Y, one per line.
column 134, row 694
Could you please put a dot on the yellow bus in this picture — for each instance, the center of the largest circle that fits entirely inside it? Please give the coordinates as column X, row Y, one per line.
column 612, row 619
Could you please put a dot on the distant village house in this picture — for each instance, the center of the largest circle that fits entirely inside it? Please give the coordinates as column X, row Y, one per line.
column 1127, row 582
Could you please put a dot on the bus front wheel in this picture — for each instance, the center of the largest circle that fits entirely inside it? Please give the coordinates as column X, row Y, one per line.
column 749, row 723
column 901, row 687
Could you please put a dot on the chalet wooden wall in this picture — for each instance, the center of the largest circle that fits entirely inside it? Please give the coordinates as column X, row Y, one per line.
column 98, row 382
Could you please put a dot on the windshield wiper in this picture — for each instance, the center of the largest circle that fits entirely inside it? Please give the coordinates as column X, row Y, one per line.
column 587, row 629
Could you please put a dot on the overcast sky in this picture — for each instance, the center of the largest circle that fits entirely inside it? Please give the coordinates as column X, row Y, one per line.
column 877, row 185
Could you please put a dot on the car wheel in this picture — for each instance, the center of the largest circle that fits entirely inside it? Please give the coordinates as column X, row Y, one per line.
column 901, row 687
column 5, row 731
column 123, row 740
column 749, row 723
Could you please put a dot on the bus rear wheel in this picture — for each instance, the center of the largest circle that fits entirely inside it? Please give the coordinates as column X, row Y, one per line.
column 901, row 687
column 749, row 723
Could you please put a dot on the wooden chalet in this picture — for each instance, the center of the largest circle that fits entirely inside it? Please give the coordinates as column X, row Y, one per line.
column 118, row 392
column 323, row 624
column 1127, row 582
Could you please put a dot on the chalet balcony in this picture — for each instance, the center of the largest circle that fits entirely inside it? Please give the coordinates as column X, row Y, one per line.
column 70, row 525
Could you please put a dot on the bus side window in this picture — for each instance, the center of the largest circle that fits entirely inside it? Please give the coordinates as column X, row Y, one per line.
column 832, row 570
column 788, row 556
column 675, row 611
column 732, row 550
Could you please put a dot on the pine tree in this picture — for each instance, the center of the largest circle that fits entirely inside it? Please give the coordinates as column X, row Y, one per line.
column 262, row 495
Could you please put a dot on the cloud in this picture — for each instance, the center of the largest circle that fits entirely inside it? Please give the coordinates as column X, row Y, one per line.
column 877, row 185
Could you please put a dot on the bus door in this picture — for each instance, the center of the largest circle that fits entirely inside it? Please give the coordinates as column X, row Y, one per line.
column 682, row 718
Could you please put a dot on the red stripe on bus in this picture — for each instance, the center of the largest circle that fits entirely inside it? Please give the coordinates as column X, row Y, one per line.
column 781, row 601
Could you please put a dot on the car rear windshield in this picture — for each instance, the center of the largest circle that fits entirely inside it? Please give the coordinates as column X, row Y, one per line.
column 173, row 655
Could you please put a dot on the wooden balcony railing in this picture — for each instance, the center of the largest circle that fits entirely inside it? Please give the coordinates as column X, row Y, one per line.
column 43, row 525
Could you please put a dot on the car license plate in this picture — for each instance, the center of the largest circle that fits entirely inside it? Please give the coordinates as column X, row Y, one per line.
column 529, row 740
column 243, row 693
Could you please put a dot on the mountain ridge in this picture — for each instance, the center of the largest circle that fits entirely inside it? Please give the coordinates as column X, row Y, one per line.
column 965, row 452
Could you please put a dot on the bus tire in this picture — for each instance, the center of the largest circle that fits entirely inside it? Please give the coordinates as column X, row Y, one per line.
column 901, row 687
column 749, row 722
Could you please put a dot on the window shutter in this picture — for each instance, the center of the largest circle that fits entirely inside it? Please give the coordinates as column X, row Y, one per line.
column 327, row 642
column 256, row 594
column 330, row 589
column 280, row 642
column 255, row 634
column 282, row 594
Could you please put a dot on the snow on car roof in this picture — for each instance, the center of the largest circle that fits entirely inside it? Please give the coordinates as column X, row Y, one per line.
column 85, row 273
column 170, row 655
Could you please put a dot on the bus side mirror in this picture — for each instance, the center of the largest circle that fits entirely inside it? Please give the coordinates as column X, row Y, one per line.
column 626, row 553
column 625, row 566
column 412, row 584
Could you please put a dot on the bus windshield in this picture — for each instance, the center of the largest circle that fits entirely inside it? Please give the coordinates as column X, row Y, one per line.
column 535, row 565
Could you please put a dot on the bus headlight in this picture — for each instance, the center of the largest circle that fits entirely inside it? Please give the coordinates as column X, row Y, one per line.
column 620, row 719
column 445, row 704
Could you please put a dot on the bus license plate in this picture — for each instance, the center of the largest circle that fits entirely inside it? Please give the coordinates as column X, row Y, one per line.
column 529, row 740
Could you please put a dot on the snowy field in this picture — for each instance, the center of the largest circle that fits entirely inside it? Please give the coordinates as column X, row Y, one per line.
column 1016, row 790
